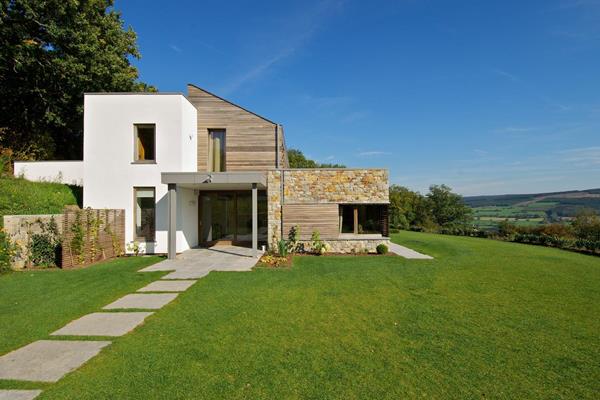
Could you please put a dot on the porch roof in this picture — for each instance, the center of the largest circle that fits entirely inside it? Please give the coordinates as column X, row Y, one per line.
column 215, row 180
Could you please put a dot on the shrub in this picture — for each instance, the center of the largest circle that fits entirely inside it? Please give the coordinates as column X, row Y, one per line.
column 318, row 246
column 382, row 249
column 293, row 241
column 43, row 250
column 45, row 247
column 283, row 248
column 7, row 251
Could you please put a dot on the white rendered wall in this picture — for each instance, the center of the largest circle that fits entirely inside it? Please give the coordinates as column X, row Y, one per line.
column 68, row 172
column 110, row 174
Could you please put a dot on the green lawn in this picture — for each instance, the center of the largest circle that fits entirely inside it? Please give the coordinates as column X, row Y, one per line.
column 34, row 304
column 485, row 319
column 20, row 196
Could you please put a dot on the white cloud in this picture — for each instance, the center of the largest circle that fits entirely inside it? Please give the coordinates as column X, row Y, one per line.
column 175, row 48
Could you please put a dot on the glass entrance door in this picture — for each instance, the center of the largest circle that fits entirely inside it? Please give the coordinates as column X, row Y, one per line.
column 227, row 217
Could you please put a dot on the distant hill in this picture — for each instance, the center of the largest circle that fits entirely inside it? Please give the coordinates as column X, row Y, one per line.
column 531, row 209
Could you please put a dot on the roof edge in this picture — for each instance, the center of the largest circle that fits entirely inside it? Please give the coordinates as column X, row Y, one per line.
column 232, row 103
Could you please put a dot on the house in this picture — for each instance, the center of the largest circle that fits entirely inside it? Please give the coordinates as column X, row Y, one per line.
column 198, row 170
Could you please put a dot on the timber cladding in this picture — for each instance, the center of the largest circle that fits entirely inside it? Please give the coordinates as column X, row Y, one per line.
column 250, row 140
column 312, row 217
column 91, row 235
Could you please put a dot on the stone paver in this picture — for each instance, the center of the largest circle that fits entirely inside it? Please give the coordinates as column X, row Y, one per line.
column 149, row 301
column 103, row 324
column 197, row 263
column 47, row 360
column 407, row 253
column 19, row 394
column 187, row 273
column 168, row 286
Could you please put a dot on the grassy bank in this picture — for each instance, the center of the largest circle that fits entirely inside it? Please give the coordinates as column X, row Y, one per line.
column 20, row 196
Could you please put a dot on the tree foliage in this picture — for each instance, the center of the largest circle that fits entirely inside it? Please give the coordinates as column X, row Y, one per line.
column 51, row 52
column 297, row 159
column 440, row 208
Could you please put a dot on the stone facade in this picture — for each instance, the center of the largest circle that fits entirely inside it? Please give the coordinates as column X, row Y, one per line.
column 20, row 228
column 346, row 246
column 273, row 207
column 336, row 185
column 324, row 186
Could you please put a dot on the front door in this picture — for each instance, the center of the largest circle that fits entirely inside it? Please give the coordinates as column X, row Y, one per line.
column 225, row 217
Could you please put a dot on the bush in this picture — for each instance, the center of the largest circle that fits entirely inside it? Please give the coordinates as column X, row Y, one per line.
column 7, row 251
column 283, row 248
column 382, row 249
column 44, row 250
column 318, row 246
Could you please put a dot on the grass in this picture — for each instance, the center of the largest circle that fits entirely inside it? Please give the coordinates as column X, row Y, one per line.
column 484, row 319
column 34, row 304
column 20, row 196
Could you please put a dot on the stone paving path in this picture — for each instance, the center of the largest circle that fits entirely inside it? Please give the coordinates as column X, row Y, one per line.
column 407, row 253
column 19, row 394
column 50, row 360
column 47, row 360
column 103, row 324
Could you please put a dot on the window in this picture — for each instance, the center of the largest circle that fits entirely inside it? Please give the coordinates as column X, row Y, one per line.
column 144, row 215
column 145, row 143
column 216, row 150
column 363, row 219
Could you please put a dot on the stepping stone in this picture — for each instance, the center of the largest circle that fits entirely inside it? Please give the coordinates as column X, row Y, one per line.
column 19, row 394
column 143, row 301
column 187, row 273
column 103, row 324
column 167, row 286
column 47, row 360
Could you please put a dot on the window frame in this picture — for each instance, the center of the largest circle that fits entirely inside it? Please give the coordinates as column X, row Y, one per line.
column 210, row 155
column 152, row 238
column 356, row 218
column 136, row 159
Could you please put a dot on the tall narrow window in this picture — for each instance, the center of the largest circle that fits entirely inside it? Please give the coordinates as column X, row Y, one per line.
column 145, row 141
column 144, row 213
column 216, row 150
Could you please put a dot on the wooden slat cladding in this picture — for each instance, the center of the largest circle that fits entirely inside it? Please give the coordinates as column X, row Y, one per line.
column 249, row 139
column 103, row 235
column 310, row 217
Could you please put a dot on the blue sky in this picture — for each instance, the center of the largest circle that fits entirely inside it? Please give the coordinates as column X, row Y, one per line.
column 488, row 97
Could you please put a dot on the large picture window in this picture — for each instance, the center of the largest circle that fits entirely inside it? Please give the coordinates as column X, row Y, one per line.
column 216, row 150
column 145, row 143
column 363, row 219
column 144, row 213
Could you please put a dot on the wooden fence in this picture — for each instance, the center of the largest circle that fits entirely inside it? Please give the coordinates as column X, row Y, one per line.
column 91, row 235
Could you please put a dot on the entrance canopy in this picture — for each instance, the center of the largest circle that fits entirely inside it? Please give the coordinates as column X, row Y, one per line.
column 206, row 181
column 215, row 180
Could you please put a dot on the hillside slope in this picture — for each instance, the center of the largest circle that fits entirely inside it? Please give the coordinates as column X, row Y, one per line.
column 531, row 209
column 20, row 196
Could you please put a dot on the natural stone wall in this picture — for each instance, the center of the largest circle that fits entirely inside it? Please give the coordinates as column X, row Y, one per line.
column 20, row 228
column 352, row 245
column 273, row 208
column 335, row 186
column 323, row 186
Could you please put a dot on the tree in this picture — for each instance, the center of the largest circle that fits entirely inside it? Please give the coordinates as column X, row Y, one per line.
column 447, row 208
column 587, row 225
column 297, row 159
column 407, row 208
column 51, row 52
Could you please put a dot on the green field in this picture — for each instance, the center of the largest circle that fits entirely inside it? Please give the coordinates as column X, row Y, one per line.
column 484, row 319
column 531, row 209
